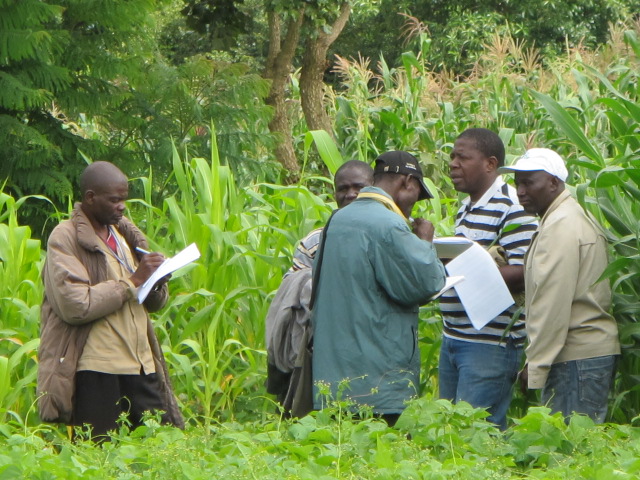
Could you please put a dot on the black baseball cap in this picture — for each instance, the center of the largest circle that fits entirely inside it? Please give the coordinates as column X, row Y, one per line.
column 402, row 163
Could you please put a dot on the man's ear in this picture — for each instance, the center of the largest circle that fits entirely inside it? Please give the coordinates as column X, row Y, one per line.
column 88, row 196
column 406, row 182
column 492, row 164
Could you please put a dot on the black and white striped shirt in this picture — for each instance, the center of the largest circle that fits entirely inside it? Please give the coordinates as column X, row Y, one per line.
column 306, row 251
column 496, row 219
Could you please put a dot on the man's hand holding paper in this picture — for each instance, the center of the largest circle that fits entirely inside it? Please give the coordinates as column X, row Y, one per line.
column 166, row 268
column 483, row 292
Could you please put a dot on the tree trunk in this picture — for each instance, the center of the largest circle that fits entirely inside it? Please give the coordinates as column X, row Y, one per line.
column 314, row 64
column 277, row 69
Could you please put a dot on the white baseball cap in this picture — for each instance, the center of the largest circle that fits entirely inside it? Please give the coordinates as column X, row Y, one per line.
column 539, row 159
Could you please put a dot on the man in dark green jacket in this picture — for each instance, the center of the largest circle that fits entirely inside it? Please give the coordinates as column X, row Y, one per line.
column 375, row 270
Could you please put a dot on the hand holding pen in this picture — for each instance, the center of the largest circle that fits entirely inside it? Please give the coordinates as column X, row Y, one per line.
column 423, row 229
column 149, row 263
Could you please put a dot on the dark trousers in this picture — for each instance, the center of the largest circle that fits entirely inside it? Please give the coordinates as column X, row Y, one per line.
column 390, row 418
column 102, row 397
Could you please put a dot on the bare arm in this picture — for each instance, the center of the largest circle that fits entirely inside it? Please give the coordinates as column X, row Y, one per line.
column 513, row 276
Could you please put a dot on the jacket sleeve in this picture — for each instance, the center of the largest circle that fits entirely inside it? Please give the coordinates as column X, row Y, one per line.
column 68, row 287
column 156, row 299
column 554, row 267
column 407, row 268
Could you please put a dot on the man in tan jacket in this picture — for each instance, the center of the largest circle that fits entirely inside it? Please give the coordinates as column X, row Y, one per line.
column 99, row 356
column 573, row 340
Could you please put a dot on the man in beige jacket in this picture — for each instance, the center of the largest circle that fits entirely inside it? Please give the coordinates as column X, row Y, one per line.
column 573, row 340
column 99, row 356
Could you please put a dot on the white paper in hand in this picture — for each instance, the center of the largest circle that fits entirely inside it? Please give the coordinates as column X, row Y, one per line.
column 170, row 265
column 450, row 282
column 483, row 293
column 451, row 247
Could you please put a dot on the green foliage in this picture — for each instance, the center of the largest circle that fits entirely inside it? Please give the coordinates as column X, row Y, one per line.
column 20, row 293
column 220, row 21
column 58, row 60
column 213, row 327
column 460, row 29
column 433, row 440
column 178, row 104
column 326, row 149
column 82, row 79
column 29, row 79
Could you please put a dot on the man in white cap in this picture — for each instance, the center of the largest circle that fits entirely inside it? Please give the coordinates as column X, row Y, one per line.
column 573, row 340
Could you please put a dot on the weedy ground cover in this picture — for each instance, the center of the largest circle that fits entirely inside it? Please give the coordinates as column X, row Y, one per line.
column 432, row 440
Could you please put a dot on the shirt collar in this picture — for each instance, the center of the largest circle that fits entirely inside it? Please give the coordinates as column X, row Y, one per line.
column 488, row 195
column 555, row 204
column 376, row 190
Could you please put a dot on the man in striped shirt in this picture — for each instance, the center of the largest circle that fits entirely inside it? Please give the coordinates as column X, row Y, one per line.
column 480, row 366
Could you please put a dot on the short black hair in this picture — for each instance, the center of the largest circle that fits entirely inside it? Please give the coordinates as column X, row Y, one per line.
column 487, row 142
column 358, row 165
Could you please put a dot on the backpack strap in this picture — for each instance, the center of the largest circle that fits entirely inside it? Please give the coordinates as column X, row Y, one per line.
column 318, row 265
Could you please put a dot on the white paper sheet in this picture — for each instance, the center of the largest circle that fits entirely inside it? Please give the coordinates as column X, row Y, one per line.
column 449, row 283
column 483, row 293
column 451, row 247
column 170, row 265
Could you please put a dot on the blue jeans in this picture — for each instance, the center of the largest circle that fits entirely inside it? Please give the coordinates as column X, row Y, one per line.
column 480, row 374
column 580, row 386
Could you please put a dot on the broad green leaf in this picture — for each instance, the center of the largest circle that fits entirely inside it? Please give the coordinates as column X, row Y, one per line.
column 326, row 148
column 609, row 177
column 569, row 126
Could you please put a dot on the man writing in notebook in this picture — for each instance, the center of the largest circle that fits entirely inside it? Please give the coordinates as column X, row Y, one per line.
column 373, row 273
column 99, row 356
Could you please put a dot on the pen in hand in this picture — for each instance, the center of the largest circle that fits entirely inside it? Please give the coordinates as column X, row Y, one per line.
column 142, row 250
